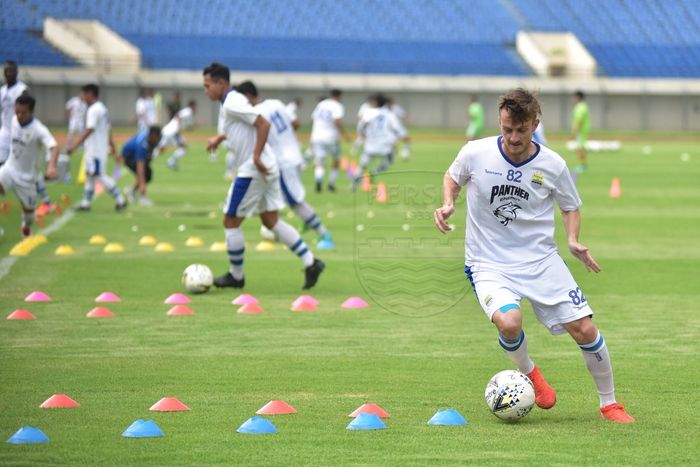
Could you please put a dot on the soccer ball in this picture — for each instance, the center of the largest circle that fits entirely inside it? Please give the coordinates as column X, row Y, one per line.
column 197, row 278
column 510, row 395
column 267, row 234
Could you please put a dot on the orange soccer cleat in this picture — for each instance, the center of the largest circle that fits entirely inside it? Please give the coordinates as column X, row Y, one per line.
column 545, row 396
column 616, row 413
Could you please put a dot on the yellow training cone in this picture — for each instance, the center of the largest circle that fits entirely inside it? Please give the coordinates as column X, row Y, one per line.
column 218, row 247
column 194, row 242
column 164, row 247
column 148, row 240
column 97, row 240
column 114, row 248
column 64, row 250
column 265, row 246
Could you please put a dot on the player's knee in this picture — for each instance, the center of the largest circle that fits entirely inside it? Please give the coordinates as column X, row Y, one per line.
column 509, row 323
column 582, row 330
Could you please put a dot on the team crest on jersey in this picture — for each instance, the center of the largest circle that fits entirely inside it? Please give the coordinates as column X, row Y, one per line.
column 537, row 178
column 507, row 212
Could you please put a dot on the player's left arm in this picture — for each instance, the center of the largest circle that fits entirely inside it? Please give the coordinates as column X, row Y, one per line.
column 49, row 142
column 81, row 139
column 262, row 130
column 572, row 225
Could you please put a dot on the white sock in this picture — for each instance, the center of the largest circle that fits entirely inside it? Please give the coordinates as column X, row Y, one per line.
column 88, row 190
column 516, row 349
column 110, row 185
column 41, row 190
column 290, row 237
column 27, row 219
column 308, row 215
column 318, row 173
column 235, row 247
column 598, row 363
column 333, row 177
column 179, row 153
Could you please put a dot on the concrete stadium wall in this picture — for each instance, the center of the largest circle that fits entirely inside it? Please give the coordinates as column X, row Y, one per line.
column 432, row 102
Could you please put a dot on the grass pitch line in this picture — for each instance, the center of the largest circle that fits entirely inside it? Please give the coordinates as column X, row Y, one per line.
column 9, row 261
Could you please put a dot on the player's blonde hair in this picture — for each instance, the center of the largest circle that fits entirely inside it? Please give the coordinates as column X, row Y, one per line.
column 521, row 105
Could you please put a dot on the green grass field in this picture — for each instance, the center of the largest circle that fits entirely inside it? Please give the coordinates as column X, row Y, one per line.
column 410, row 352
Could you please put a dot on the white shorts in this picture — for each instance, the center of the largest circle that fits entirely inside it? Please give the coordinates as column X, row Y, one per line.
column 251, row 195
column 551, row 289
column 292, row 186
column 172, row 139
column 321, row 150
column 366, row 157
column 95, row 166
column 26, row 192
column 5, row 141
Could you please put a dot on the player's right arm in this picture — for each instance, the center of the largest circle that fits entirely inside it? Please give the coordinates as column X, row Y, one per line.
column 450, row 191
column 81, row 139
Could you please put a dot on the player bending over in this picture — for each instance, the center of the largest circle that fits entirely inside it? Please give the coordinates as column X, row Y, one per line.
column 137, row 154
column 172, row 134
column 30, row 139
column 512, row 184
column 285, row 146
column 257, row 186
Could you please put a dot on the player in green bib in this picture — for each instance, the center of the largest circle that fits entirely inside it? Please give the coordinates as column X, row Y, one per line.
column 476, row 119
column 581, row 126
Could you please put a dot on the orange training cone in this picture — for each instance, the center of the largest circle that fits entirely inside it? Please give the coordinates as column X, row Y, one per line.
column 615, row 188
column 366, row 184
column 168, row 404
column 344, row 164
column 21, row 315
column 250, row 309
column 276, row 408
column 100, row 312
column 370, row 408
column 59, row 401
column 180, row 310
column 382, row 196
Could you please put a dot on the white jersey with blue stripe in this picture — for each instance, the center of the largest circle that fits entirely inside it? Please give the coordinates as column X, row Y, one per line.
column 510, row 207
column 282, row 138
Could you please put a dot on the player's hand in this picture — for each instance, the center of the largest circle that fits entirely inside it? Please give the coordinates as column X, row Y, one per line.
column 261, row 167
column 51, row 173
column 441, row 215
column 70, row 150
column 581, row 252
column 119, row 159
column 213, row 143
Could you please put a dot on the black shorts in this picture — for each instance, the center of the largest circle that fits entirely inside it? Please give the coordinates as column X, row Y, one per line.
column 131, row 164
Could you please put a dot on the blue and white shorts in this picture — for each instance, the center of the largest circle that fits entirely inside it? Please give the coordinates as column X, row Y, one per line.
column 321, row 150
column 549, row 286
column 292, row 186
column 95, row 166
column 252, row 195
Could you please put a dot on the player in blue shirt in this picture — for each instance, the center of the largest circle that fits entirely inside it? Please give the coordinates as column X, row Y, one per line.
column 137, row 154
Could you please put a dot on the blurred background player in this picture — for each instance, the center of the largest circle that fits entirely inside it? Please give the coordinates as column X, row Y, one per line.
column 380, row 129
column 137, row 154
column 476, row 119
column 172, row 134
column 284, row 144
column 581, row 125
column 326, row 131
column 404, row 118
column 30, row 139
column 146, row 115
column 9, row 92
column 538, row 136
column 293, row 108
column 369, row 103
column 98, row 144
column 75, row 114
column 256, row 188
column 174, row 105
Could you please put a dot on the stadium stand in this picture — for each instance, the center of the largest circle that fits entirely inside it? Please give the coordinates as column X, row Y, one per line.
column 627, row 37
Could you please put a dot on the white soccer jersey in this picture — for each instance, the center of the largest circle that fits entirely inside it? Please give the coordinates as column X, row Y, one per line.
column 510, row 215
column 29, row 145
column 398, row 111
column 97, row 120
column 363, row 108
column 146, row 112
column 8, row 96
column 238, row 117
column 77, row 109
column 323, row 130
column 183, row 120
column 292, row 109
column 281, row 139
column 381, row 128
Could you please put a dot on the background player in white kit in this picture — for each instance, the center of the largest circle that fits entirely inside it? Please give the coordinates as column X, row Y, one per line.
column 172, row 134
column 284, row 144
column 380, row 129
column 9, row 92
column 257, row 187
column 326, row 130
column 98, row 144
column 512, row 184
column 146, row 115
column 30, row 139
column 75, row 113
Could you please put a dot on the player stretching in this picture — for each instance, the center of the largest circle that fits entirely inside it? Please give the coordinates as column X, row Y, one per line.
column 137, row 154
column 172, row 134
column 284, row 144
column 98, row 144
column 380, row 128
column 30, row 139
column 257, row 186
column 512, row 184
column 581, row 125
column 326, row 131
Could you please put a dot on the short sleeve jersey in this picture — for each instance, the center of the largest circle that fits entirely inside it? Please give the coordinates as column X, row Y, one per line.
column 510, row 207
column 237, row 117
column 281, row 139
column 97, row 120
column 27, row 150
column 581, row 118
column 323, row 130
column 137, row 148
column 381, row 129
column 8, row 96
column 77, row 109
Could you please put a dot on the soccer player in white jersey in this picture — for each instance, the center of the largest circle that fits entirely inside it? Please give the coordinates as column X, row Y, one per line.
column 284, row 144
column 98, row 145
column 172, row 134
column 370, row 103
column 326, row 130
column 381, row 129
column 257, row 187
column 30, row 139
column 75, row 112
column 293, row 109
column 9, row 92
column 146, row 110
column 512, row 185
